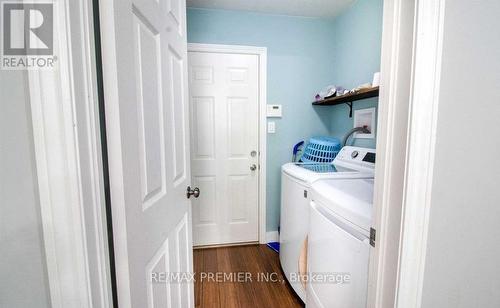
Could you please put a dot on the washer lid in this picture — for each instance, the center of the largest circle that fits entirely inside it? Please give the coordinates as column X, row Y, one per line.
column 350, row 199
column 311, row 172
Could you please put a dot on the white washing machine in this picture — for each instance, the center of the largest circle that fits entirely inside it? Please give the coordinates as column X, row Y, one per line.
column 296, row 180
column 339, row 243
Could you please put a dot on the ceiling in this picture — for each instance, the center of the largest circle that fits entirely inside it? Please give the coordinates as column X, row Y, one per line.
column 310, row 8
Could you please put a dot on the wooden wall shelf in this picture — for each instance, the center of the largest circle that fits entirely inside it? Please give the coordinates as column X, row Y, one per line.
column 349, row 98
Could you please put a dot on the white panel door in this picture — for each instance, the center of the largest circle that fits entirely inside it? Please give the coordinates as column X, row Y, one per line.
column 224, row 99
column 145, row 85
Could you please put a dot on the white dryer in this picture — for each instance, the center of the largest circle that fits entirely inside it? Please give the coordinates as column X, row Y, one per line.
column 296, row 180
column 339, row 245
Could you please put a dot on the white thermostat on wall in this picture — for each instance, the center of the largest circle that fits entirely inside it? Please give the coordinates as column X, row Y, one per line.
column 274, row 111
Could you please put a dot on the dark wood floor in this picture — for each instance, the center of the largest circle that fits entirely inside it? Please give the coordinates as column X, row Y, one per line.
column 258, row 261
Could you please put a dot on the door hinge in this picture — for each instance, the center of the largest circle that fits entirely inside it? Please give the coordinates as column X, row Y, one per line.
column 305, row 193
column 373, row 236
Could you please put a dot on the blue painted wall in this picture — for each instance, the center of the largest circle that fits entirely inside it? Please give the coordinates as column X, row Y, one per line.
column 358, row 38
column 304, row 55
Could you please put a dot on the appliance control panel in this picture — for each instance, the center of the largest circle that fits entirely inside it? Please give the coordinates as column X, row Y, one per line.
column 357, row 155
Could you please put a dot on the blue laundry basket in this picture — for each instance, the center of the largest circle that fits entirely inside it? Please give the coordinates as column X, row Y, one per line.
column 321, row 149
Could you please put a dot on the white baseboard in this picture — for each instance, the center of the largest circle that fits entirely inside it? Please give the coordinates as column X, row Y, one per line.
column 272, row 236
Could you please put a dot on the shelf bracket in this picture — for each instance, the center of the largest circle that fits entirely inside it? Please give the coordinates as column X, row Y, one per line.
column 350, row 108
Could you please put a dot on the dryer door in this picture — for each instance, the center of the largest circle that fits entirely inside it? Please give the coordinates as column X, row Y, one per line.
column 338, row 259
column 293, row 228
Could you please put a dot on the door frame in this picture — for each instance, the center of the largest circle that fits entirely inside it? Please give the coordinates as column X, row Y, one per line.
column 261, row 52
column 68, row 157
column 424, row 102
column 411, row 62
column 69, row 166
column 392, row 139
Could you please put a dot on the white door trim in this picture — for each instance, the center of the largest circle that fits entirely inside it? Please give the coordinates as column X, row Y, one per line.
column 261, row 52
column 64, row 112
column 421, row 144
column 417, row 164
column 394, row 105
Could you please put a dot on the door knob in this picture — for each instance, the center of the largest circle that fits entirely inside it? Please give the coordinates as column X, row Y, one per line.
column 192, row 192
column 253, row 167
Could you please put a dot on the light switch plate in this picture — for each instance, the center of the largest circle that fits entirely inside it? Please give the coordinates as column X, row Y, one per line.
column 271, row 127
column 274, row 111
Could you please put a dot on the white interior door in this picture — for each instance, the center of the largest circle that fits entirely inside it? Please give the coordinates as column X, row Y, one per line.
column 224, row 98
column 145, row 84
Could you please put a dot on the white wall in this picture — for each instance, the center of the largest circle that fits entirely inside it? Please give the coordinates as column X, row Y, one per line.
column 462, row 267
column 23, row 273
